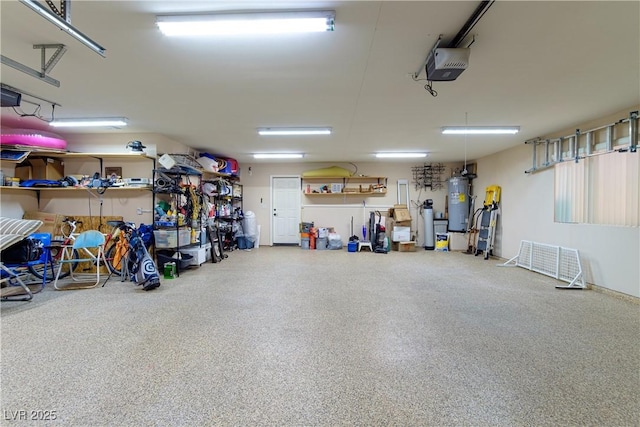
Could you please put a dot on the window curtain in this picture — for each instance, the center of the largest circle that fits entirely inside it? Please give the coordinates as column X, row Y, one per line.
column 602, row 189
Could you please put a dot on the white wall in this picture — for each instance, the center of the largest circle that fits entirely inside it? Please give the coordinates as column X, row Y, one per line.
column 337, row 211
column 610, row 255
column 117, row 143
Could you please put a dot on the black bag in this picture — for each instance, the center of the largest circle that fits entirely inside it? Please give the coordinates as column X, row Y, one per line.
column 29, row 249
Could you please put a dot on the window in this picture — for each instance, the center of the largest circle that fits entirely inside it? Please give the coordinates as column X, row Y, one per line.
column 569, row 191
column 601, row 189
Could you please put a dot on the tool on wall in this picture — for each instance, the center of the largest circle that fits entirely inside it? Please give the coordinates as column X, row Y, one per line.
column 473, row 232
column 429, row 176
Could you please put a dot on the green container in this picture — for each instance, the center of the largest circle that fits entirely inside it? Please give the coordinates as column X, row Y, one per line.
column 169, row 270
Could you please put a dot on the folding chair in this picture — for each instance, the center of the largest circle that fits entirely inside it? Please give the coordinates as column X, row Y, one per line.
column 89, row 247
column 13, row 231
column 39, row 265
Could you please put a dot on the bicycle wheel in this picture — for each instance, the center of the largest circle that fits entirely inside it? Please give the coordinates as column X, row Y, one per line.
column 38, row 269
column 115, row 262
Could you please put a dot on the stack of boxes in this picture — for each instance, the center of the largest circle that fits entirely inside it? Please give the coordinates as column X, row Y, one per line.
column 398, row 225
column 40, row 168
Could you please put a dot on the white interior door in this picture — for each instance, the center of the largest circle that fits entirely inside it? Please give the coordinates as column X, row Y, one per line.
column 285, row 210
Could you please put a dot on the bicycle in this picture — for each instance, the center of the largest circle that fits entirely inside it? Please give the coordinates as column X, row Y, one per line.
column 68, row 229
column 117, row 255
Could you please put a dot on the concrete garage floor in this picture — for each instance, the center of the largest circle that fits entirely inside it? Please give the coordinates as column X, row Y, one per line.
column 288, row 337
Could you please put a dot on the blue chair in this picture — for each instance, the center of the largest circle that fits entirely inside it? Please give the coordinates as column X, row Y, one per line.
column 44, row 261
column 88, row 246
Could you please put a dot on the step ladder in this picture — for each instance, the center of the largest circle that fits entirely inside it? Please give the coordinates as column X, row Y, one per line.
column 488, row 220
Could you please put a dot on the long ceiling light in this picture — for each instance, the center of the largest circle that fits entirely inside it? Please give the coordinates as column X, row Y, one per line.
column 65, row 26
column 480, row 130
column 278, row 156
column 293, row 131
column 90, row 122
column 246, row 23
column 400, row 155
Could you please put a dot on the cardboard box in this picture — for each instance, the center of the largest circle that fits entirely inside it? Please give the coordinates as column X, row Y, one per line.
column 24, row 171
column 401, row 234
column 406, row 246
column 46, row 168
column 51, row 222
column 403, row 246
column 400, row 213
column 390, row 223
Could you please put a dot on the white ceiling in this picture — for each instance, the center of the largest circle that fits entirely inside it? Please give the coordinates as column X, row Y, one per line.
column 544, row 66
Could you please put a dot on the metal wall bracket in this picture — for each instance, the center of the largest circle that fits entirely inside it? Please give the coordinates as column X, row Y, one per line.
column 65, row 9
column 633, row 131
column 47, row 66
column 28, row 70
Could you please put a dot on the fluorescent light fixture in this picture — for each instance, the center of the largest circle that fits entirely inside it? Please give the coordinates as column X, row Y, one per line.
column 480, row 130
column 90, row 122
column 294, row 131
column 246, row 23
column 400, row 155
column 279, row 156
column 64, row 25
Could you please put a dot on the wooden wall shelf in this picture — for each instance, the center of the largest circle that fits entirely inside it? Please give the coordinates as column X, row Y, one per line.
column 364, row 186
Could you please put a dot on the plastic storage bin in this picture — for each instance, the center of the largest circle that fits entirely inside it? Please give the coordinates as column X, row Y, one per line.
column 304, row 242
column 167, row 256
column 244, row 242
column 169, row 238
column 321, row 243
column 199, row 254
column 440, row 225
